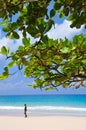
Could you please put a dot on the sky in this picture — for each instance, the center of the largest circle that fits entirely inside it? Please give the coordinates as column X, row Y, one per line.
column 17, row 84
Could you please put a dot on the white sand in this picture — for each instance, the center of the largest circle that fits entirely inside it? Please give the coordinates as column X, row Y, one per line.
column 43, row 123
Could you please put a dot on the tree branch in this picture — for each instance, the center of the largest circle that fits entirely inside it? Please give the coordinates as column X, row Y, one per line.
column 80, row 76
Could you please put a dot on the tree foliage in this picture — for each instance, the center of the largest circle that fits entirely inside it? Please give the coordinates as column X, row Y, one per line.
column 50, row 62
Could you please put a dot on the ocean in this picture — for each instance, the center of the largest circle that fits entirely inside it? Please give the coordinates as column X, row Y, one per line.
column 43, row 105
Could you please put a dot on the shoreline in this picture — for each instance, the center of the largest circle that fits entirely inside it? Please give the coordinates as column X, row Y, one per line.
column 43, row 123
column 22, row 116
column 43, row 111
column 40, row 114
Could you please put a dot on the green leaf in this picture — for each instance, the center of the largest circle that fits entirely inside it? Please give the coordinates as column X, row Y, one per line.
column 15, row 35
column 49, row 25
column 66, row 11
column 20, row 48
column 32, row 30
column 65, row 50
column 78, row 25
column 24, row 32
column 14, row 1
column 61, row 14
column 4, row 22
column 12, row 35
column 5, row 29
column 50, row 88
column 37, row 35
column 52, row 13
column 57, row 6
column 14, row 25
column 4, row 50
column 45, row 38
column 84, row 61
column 41, row 25
column 2, row 77
column 10, row 64
column 26, row 41
column 6, row 69
column 70, row 18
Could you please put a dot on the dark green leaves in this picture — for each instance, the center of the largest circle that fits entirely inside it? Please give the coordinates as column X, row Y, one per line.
column 26, row 41
column 52, row 13
column 66, row 11
column 49, row 25
column 57, row 5
column 32, row 30
column 15, row 35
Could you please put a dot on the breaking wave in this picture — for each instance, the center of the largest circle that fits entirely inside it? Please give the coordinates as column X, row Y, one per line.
column 44, row 108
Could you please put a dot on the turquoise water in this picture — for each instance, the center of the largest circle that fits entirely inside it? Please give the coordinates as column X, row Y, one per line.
column 44, row 105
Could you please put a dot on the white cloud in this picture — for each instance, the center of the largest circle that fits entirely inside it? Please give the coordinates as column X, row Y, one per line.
column 13, row 44
column 63, row 30
column 9, row 43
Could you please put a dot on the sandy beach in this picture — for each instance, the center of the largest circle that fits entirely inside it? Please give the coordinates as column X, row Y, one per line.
column 42, row 123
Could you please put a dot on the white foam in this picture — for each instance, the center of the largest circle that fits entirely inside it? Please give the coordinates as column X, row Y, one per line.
column 44, row 108
column 57, row 108
column 10, row 108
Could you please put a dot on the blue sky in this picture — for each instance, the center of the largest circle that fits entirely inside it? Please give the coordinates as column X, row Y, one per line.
column 17, row 84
